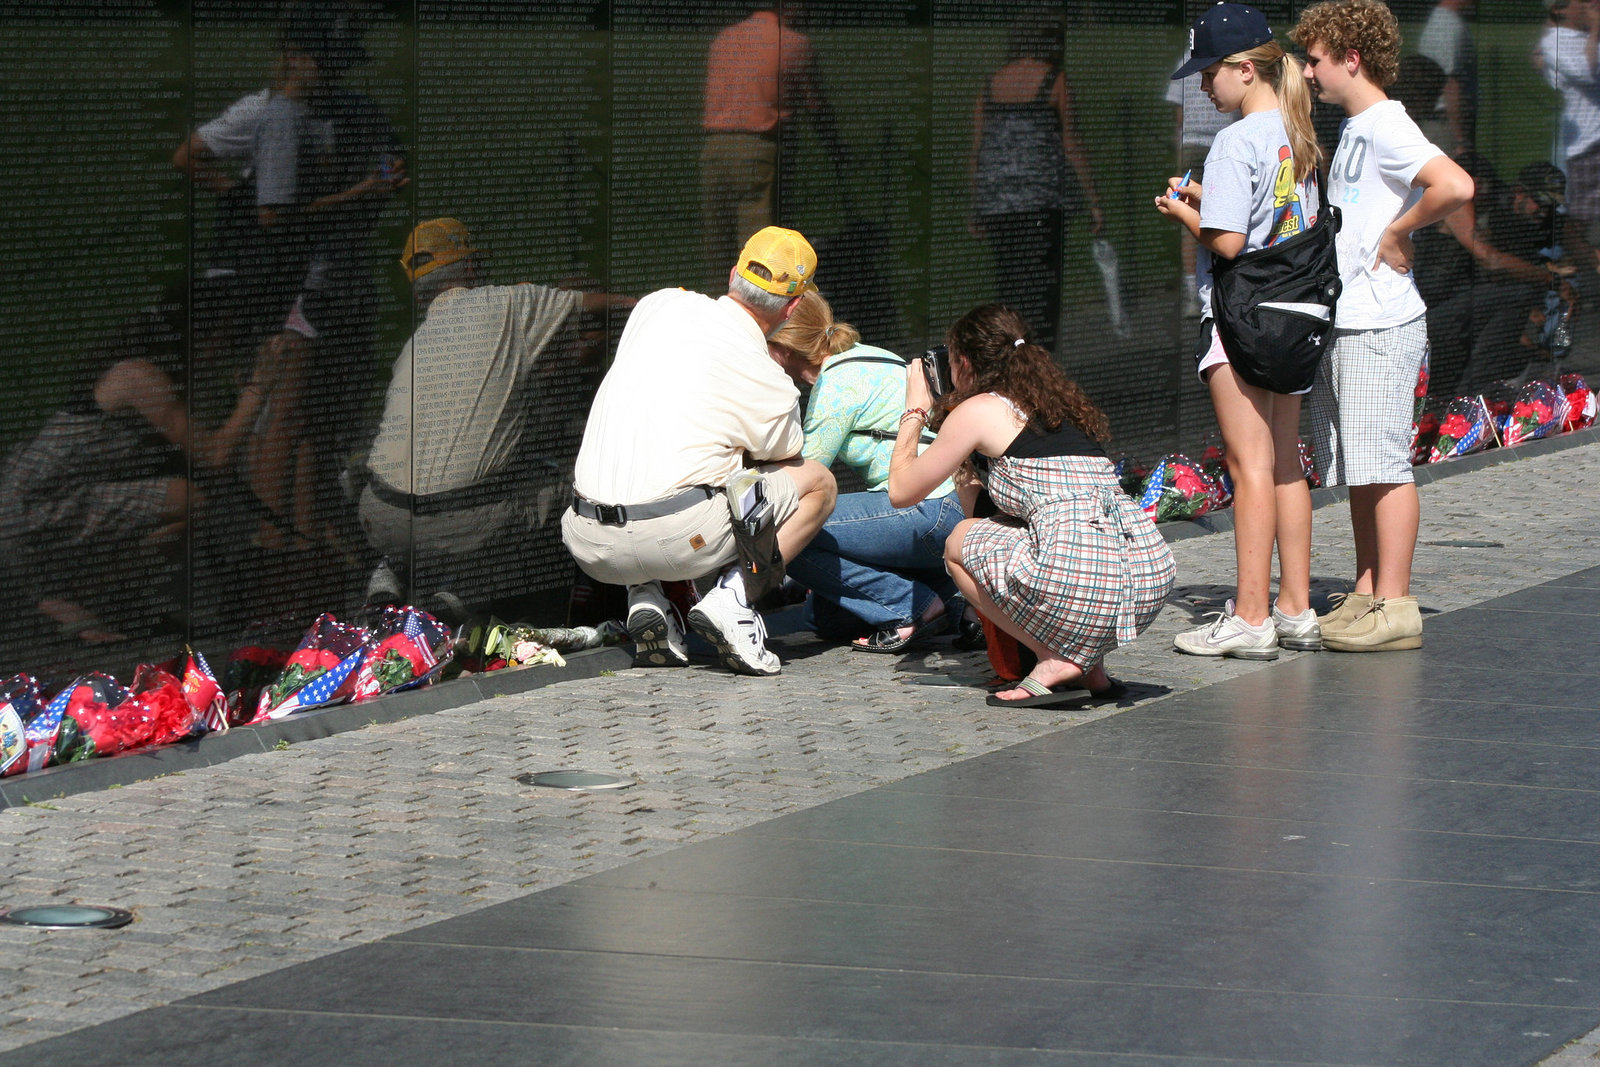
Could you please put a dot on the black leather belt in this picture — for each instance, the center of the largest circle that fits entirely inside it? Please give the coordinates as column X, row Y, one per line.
column 622, row 514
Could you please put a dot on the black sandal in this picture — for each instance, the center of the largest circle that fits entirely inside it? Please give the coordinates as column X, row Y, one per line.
column 890, row 640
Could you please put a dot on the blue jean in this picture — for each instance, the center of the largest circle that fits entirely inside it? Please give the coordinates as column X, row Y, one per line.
column 883, row 565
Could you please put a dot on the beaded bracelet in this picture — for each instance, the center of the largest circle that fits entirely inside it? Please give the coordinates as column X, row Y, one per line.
column 920, row 413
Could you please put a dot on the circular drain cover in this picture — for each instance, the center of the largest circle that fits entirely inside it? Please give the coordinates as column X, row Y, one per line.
column 68, row 917
column 574, row 780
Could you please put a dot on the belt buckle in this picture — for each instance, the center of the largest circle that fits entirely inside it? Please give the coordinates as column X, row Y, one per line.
column 610, row 514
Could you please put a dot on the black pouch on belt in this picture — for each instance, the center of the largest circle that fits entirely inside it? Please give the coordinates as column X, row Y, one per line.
column 755, row 535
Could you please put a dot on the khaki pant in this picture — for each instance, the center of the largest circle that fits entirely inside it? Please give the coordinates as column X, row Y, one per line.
column 690, row 544
column 736, row 183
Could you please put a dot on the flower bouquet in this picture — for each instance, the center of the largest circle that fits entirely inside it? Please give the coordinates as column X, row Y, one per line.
column 321, row 671
column 1308, row 463
column 1131, row 473
column 1464, row 428
column 1424, row 432
column 154, row 712
column 1499, row 398
column 409, row 648
column 1214, row 462
column 1178, row 489
column 1538, row 411
column 1580, row 403
column 19, row 702
column 64, row 732
column 249, row 670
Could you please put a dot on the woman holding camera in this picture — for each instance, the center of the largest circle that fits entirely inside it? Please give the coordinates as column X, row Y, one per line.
column 1072, row 568
column 873, row 569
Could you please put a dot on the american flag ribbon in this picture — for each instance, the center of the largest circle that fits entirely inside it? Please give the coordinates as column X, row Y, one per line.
column 201, row 690
column 1154, row 486
column 40, row 733
column 322, row 689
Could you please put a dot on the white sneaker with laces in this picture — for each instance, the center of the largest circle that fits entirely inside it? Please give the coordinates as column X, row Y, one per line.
column 1230, row 636
column 653, row 624
column 1298, row 633
column 738, row 632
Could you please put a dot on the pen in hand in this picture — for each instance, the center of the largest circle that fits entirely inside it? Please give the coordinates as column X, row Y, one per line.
column 1173, row 195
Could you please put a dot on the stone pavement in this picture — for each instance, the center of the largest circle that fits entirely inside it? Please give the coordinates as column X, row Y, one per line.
column 276, row 858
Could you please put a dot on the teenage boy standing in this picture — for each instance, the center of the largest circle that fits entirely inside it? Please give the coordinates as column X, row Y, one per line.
column 1388, row 180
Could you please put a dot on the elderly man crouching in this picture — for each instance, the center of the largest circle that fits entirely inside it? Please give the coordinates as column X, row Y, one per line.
column 692, row 399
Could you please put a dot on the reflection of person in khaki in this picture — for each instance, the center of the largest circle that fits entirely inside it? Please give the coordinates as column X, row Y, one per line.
column 758, row 72
column 452, row 502
column 694, row 405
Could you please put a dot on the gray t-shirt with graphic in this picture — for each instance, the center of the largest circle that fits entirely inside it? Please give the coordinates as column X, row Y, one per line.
column 1250, row 189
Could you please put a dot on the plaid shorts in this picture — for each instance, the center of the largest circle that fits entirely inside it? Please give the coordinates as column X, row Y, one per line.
column 1362, row 404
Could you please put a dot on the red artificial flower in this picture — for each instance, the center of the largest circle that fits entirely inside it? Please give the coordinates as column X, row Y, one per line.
column 1455, row 426
column 262, row 657
column 313, row 659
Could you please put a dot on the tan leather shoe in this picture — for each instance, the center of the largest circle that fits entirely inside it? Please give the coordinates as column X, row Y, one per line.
column 1389, row 625
column 1348, row 608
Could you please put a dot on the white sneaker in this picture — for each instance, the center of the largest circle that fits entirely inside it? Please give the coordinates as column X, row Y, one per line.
column 658, row 640
column 1298, row 633
column 738, row 633
column 1230, row 636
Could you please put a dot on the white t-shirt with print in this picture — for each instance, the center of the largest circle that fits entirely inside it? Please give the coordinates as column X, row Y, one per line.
column 1250, row 189
column 1380, row 152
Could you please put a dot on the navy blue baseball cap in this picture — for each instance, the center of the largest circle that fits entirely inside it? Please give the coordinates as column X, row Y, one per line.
column 1222, row 31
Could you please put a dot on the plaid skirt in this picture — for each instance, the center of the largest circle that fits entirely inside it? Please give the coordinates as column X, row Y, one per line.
column 1080, row 567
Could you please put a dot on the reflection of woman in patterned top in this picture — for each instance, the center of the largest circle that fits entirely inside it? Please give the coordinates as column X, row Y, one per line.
column 1072, row 568
column 1024, row 140
column 873, row 569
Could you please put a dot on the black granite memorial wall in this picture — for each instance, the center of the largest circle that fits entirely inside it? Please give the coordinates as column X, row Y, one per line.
column 214, row 420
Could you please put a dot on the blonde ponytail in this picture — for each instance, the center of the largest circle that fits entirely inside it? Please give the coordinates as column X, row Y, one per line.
column 812, row 331
column 1294, row 101
column 1283, row 73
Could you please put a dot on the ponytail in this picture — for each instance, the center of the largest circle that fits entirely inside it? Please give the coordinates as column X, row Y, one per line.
column 811, row 331
column 1282, row 72
column 1294, row 102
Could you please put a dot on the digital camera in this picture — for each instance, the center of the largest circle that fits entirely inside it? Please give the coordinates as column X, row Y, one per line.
column 936, row 369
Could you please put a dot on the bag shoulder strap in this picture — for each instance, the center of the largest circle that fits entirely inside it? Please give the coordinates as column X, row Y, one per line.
column 894, row 362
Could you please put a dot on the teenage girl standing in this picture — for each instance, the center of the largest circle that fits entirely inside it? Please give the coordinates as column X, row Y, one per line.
column 1258, row 190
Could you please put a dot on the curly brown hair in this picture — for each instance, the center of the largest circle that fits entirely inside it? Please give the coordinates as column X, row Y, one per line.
column 988, row 339
column 1365, row 27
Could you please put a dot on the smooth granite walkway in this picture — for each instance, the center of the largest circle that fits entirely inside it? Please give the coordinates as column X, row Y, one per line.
column 1332, row 859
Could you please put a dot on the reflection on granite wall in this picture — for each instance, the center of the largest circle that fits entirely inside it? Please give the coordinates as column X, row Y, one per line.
column 240, row 391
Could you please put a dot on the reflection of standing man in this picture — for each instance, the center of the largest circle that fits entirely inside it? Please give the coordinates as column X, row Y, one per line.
column 1569, row 53
column 1448, row 42
column 757, row 73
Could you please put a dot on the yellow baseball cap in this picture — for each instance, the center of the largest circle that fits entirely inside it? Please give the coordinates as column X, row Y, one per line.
column 787, row 257
column 433, row 244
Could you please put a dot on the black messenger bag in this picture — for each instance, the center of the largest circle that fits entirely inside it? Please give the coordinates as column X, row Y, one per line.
column 1274, row 307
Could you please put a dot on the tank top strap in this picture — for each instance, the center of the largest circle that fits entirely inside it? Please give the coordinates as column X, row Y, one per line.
column 1012, row 404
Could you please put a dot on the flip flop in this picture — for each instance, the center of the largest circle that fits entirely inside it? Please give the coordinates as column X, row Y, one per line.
column 1042, row 696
